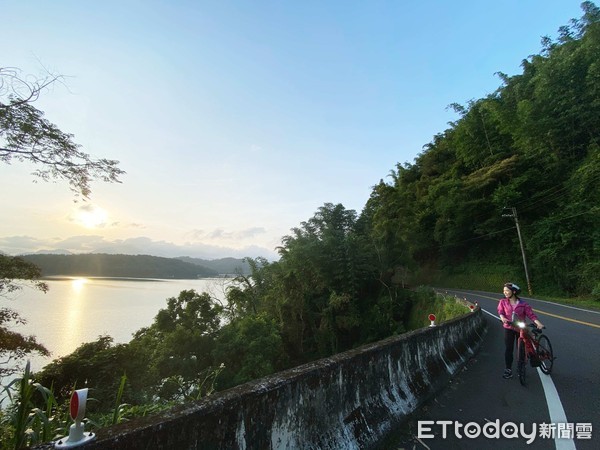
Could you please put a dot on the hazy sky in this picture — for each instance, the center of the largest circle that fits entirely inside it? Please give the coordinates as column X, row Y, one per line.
column 236, row 120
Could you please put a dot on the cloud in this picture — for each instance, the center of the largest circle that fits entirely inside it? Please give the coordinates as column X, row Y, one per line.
column 133, row 246
column 223, row 235
column 195, row 235
column 79, row 244
column 17, row 244
column 250, row 232
column 218, row 234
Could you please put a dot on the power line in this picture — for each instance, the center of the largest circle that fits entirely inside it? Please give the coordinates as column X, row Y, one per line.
column 560, row 219
column 560, row 191
column 475, row 238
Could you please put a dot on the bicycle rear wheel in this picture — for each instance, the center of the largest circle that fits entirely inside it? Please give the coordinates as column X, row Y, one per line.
column 521, row 362
column 544, row 351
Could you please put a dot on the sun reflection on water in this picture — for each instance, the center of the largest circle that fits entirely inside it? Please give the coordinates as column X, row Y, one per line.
column 72, row 325
column 78, row 283
column 78, row 309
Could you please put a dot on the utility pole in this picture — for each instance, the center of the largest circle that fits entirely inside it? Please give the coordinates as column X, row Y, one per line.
column 514, row 216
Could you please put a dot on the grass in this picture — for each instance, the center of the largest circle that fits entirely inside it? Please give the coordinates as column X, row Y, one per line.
column 428, row 302
column 582, row 302
column 490, row 278
column 24, row 423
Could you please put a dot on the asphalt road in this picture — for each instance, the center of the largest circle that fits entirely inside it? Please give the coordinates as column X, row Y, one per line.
column 569, row 397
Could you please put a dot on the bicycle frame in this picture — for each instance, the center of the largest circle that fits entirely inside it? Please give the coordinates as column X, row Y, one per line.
column 528, row 340
column 524, row 348
column 530, row 343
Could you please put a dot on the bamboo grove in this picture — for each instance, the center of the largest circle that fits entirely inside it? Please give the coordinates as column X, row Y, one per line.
column 532, row 145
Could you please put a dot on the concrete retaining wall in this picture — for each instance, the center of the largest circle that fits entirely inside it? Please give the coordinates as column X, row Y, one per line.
column 348, row 401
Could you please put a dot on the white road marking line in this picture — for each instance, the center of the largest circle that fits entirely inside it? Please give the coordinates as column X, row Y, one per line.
column 555, row 407
column 529, row 298
column 493, row 315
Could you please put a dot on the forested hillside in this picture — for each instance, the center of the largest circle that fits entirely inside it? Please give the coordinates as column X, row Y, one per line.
column 231, row 266
column 103, row 265
column 534, row 144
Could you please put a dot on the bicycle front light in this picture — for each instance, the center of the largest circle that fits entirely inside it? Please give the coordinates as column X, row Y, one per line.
column 521, row 324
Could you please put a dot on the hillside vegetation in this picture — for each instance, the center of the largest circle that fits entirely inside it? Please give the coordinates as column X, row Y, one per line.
column 224, row 266
column 136, row 266
column 532, row 145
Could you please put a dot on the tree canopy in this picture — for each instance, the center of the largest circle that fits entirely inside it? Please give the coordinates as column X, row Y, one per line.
column 27, row 136
column 533, row 145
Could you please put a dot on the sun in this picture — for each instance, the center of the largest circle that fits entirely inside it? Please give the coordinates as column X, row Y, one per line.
column 78, row 283
column 92, row 216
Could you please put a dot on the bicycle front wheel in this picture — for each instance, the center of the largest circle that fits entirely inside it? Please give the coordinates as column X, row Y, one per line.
column 544, row 352
column 522, row 363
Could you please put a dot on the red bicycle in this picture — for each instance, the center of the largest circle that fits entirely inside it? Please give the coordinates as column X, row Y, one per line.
column 533, row 347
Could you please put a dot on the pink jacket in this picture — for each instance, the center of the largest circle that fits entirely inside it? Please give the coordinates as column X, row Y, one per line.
column 522, row 309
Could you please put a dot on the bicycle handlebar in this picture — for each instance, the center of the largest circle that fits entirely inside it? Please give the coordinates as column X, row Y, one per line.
column 514, row 324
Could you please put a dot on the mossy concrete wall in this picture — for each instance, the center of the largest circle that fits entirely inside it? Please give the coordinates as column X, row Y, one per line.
column 349, row 401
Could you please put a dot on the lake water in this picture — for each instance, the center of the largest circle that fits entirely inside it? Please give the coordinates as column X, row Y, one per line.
column 78, row 310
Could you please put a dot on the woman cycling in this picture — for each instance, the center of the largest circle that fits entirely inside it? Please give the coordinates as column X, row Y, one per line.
column 509, row 305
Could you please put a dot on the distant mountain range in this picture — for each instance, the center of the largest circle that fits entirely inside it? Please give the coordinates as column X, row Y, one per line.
column 222, row 266
column 135, row 266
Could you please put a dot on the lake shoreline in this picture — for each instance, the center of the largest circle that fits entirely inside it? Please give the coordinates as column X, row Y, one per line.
column 91, row 277
column 77, row 310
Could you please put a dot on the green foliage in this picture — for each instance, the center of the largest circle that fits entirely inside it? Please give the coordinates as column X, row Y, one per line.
column 176, row 388
column 426, row 301
column 163, row 362
column 25, row 135
column 128, row 412
column 14, row 271
column 336, row 286
column 223, row 266
column 473, row 274
column 119, row 407
column 35, row 416
column 332, row 270
column 532, row 145
column 250, row 348
column 387, row 316
column 183, row 335
column 15, row 274
column 25, row 422
column 13, row 345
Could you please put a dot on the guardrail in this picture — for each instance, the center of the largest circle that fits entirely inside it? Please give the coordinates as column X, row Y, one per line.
column 347, row 401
